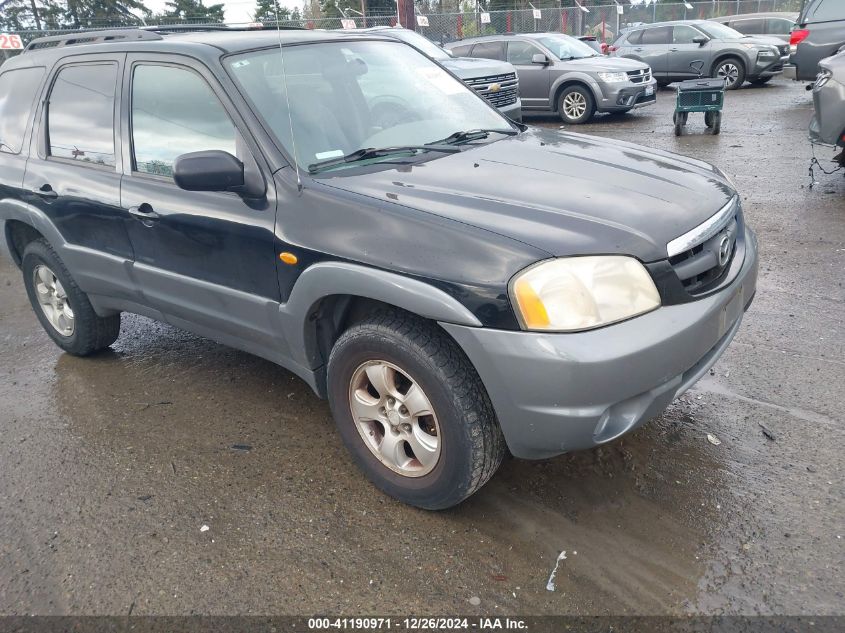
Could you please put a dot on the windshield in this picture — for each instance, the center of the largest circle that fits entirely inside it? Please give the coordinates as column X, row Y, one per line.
column 720, row 31
column 347, row 96
column 565, row 47
column 421, row 43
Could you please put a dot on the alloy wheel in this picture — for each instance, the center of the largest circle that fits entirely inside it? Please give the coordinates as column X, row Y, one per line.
column 395, row 418
column 574, row 105
column 53, row 300
column 729, row 72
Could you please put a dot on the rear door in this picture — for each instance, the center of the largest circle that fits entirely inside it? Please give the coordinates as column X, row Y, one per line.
column 204, row 259
column 534, row 79
column 653, row 49
column 683, row 52
column 73, row 175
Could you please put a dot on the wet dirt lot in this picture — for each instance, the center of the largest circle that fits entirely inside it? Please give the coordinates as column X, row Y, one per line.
column 110, row 466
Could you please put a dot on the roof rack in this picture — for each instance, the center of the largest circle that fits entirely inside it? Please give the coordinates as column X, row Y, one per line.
column 91, row 37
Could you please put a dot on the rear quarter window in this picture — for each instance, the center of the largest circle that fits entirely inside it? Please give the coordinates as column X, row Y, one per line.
column 489, row 50
column 826, row 11
column 461, row 51
column 17, row 95
column 635, row 38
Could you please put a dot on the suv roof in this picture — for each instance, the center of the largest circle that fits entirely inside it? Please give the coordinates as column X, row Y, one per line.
column 208, row 40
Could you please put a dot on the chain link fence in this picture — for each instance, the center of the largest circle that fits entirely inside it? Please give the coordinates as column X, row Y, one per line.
column 602, row 21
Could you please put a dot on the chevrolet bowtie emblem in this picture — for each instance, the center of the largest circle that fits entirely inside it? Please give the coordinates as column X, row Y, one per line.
column 495, row 87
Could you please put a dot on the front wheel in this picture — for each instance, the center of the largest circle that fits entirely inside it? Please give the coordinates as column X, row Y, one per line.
column 732, row 71
column 412, row 411
column 575, row 105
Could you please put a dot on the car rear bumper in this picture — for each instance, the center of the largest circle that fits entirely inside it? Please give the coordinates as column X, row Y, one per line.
column 555, row 393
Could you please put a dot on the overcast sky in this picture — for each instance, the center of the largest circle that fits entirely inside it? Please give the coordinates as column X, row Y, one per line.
column 236, row 10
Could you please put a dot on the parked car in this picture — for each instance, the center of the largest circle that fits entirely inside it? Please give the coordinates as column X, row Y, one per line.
column 820, row 33
column 828, row 123
column 494, row 80
column 454, row 283
column 558, row 73
column 670, row 47
column 774, row 24
column 593, row 42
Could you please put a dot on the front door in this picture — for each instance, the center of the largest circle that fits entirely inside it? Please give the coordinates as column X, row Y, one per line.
column 683, row 52
column 534, row 79
column 204, row 259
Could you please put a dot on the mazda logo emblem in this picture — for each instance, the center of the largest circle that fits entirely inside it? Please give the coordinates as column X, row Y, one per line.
column 724, row 250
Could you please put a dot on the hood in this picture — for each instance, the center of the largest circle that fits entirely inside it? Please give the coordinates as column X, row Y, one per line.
column 602, row 63
column 766, row 40
column 471, row 68
column 564, row 193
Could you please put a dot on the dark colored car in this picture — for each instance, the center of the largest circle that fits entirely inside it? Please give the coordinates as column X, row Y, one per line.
column 670, row 48
column 777, row 24
column 820, row 33
column 455, row 284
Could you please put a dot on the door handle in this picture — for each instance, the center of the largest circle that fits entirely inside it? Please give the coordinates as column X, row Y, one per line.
column 144, row 212
column 46, row 191
column 639, row 50
column 673, row 49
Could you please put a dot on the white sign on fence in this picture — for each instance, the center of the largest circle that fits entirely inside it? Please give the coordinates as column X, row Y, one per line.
column 485, row 18
column 620, row 9
column 537, row 14
column 688, row 5
column 10, row 40
column 348, row 24
column 422, row 20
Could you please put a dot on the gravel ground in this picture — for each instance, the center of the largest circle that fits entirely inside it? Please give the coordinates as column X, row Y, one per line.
column 110, row 466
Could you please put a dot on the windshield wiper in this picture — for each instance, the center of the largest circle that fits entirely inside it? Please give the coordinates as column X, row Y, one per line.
column 372, row 152
column 470, row 135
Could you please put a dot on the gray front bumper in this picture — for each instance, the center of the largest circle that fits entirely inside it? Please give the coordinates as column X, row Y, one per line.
column 513, row 111
column 555, row 393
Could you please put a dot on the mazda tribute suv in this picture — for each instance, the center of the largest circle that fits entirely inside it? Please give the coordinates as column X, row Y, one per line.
column 454, row 283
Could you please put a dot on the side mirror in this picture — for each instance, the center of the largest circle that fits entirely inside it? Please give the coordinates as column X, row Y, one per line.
column 212, row 170
column 539, row 58
column 701, row 40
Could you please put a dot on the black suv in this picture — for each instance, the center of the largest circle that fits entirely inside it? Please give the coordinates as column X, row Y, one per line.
column 454, row 283
column 820, row 33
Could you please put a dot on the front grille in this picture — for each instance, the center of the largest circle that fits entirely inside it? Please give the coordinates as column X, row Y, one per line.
column 703, row 265
column 640, row 76
column 499, row 90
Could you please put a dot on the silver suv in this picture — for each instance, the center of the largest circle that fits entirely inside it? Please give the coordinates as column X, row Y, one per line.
column 670, row 47
column 828, row 124
column 496, row 81
column 561, row 74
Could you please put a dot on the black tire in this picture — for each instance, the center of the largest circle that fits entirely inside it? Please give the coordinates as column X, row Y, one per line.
column 733, row 62
column 585, row 96
column 761, row 81
column 663, row 83
column 716, row 126
column 680, row 120
column 471, row 443
column 91, row 333
column 708, row 119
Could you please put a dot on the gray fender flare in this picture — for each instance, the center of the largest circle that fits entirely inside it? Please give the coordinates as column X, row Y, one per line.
column 576, row 77
column 340, row 278
column 11, row 209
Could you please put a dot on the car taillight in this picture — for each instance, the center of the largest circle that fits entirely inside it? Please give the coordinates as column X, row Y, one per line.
column 796, row 37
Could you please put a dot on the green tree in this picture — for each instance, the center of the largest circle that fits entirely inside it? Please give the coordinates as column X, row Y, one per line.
column 194, row 10
column 268, row 10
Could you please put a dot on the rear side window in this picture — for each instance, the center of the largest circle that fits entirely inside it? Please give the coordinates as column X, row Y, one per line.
column 635, row 38
column 826, row 10
column 174, row 111
column 779, row 26
column 80, row 114
column 460, row 51
column 660, row 35
column 753, row 26
column 489, row 50
column 17, row 93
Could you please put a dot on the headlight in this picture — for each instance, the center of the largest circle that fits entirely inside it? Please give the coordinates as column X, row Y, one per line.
column 581, row 293
column 767, row 52
column 613, row 77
